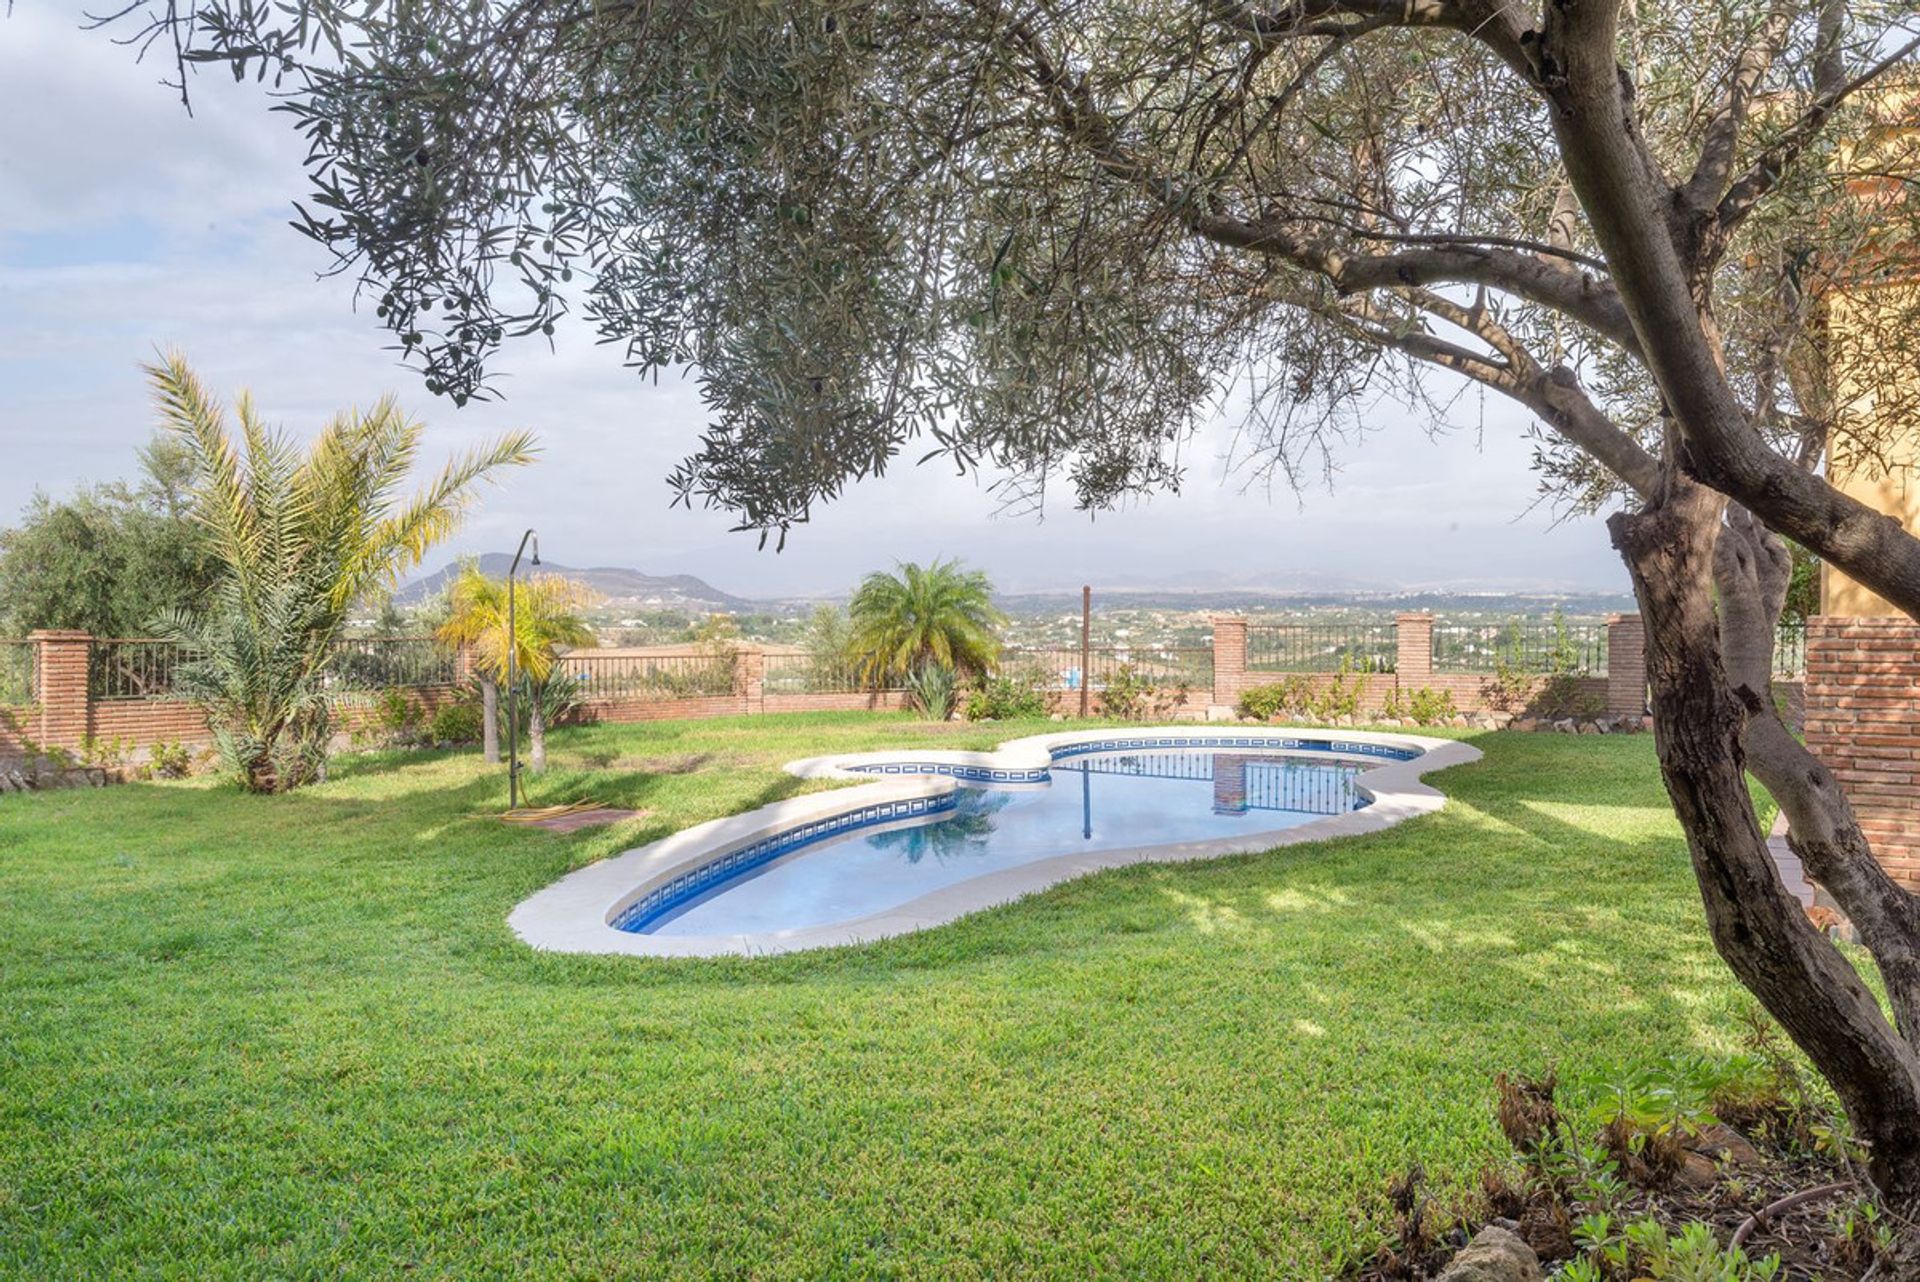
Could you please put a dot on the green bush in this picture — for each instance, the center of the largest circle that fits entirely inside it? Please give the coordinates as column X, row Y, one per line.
column 1425, row 706
column 169, row 760
column 1009, row 696
column 1296, row 697
column 1291, row 697
column 396, row 720
column 1134, row 696
column 456, row 723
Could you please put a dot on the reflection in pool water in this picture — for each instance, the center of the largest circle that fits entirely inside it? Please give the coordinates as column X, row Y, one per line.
column 1097, row 801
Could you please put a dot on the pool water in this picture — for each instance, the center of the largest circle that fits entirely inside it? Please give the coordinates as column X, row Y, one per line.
column 1096, row 801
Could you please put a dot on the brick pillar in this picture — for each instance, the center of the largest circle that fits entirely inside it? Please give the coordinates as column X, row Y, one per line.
column 1626, row 666
column 1413, row 650
column 65, row 718
column 463, row 664
column 1229, row 783
column 750, row 677
column 1229, row 658
column 1863, row 722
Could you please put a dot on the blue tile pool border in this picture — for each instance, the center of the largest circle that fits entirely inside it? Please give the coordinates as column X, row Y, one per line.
column 661, row 900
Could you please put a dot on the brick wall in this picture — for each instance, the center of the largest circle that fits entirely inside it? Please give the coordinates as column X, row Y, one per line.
column 66, row 717
column 1863, row 721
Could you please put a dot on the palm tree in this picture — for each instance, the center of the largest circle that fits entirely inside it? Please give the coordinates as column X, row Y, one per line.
column 477, row 604
column 545, row 617
column 938, row 615
column 298, row 538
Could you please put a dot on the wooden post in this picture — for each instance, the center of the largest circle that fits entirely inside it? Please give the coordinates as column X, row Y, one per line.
column 1086, row 644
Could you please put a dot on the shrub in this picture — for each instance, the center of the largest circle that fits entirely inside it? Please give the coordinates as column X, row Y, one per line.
column 1425, row 706
column 1282, row 698
column 1130, row 696
column 396, row 719
column 169, row 760
column 456, row 723
column 1296, row 697
column 1009, row 696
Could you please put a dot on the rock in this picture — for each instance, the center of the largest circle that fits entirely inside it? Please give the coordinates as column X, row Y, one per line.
column 1723, row 1144
column 1587, row 727
column 1494, row 1255
column 1526, row 725
column 1564, row 725
column 1696, row 1171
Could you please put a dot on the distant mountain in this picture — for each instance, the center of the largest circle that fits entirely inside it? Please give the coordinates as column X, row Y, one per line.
column 617, row 584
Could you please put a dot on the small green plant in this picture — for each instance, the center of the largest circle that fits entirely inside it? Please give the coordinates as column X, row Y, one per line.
column 1009, row 695
column 1290, row 697
column 1425, row 706
column 1342, row 696
column 109, row 753
column 169, row 760
column 395, row 719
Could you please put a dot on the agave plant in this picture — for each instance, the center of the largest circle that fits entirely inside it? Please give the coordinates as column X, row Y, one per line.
column 299, row 537
column 934, row 689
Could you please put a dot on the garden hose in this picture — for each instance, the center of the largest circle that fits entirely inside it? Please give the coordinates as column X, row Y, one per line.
column 538, row 814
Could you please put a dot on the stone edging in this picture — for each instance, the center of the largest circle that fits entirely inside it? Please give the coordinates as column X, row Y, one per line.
column 574, row 914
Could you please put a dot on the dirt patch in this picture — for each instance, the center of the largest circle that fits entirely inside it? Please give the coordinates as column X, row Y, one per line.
column 588, row 819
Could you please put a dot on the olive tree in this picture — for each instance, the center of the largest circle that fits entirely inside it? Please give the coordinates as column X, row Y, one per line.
column 1042, row 238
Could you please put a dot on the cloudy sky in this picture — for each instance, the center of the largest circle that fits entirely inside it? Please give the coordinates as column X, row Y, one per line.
column 126, row 225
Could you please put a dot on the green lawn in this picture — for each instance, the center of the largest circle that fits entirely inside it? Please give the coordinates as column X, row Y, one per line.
column 248, row 1037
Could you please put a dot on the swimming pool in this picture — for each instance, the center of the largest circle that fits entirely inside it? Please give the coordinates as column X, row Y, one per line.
column 931, row 836
column 1093, row 802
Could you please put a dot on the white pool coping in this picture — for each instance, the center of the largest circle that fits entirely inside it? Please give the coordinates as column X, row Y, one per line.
column 573, row 915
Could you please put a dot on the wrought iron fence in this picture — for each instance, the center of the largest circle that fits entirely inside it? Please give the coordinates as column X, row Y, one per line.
column 1059, row 667
column 1790, row 649
column 810, row 674
column 1321, row 647
column 1544, row 646
column 19, row 671
column 364, row 664
column 658, row 676
column 135, row 668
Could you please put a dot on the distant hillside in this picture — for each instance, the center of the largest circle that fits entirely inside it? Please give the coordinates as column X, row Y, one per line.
column 1250, row 599
column 616, row 584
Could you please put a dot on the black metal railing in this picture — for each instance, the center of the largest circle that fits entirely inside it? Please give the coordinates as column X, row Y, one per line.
column 657, row 676
column 1321, row 647
column 1790, row 650
column 135, row 668
column 1060, row 667
column 362, row 665
column 810, row 674
column 1541, row 646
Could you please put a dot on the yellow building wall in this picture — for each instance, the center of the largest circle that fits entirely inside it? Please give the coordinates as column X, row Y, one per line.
column 1879, row 463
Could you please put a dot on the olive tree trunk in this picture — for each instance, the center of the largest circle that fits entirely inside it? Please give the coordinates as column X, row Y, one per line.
column 1701, row 722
